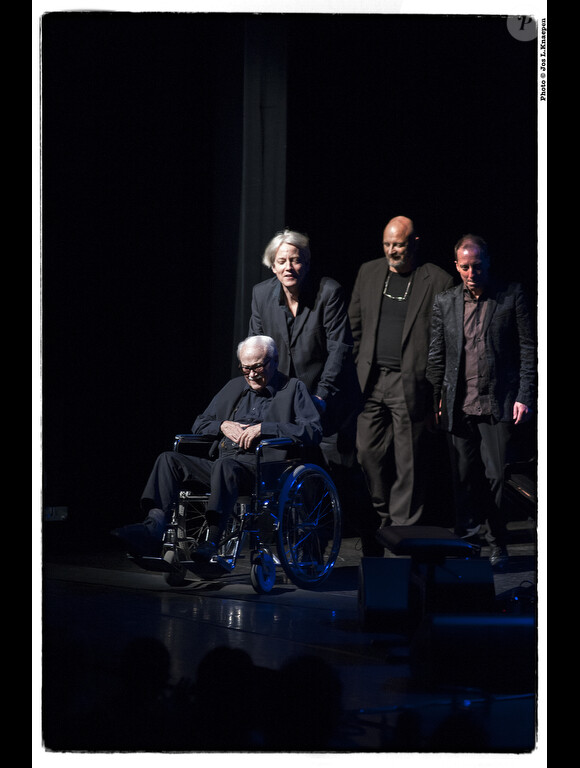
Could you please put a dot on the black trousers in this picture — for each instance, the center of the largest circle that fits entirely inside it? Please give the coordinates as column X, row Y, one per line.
column 226, row 478
column 478, row 454
column 385, row 425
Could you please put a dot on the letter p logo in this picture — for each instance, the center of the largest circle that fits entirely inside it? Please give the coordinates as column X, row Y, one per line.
column 522, row 27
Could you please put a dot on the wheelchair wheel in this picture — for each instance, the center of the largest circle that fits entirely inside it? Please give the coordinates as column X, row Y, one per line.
column 309, row 525
column 263, row 572
column 187, row 527
column 194, row 522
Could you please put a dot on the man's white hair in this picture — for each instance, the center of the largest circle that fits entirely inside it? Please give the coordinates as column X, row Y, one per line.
column 265, row 343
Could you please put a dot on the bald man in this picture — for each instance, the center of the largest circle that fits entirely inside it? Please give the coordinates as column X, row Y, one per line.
column 390, row 316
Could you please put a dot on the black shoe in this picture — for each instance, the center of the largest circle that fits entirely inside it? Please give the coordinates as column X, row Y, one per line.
column 140, row 540
column 207, row 549
column 498, row 556
column 204, row 551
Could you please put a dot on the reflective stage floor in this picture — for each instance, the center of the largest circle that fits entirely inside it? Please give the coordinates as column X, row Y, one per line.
column 96, row 602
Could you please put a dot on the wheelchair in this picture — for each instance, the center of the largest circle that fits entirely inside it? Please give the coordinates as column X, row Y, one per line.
column 291, row 522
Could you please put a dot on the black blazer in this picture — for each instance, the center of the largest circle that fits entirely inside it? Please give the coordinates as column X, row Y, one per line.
column 509, row 344
column 364, row 313
column 319, row 352
column 291, row 413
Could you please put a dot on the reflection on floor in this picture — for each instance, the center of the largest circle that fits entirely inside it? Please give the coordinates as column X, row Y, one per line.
column 292, row 670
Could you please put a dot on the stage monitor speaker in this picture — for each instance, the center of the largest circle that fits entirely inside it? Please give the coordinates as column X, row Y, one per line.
column 395, row 593
column 383, row 594
column 454, row 586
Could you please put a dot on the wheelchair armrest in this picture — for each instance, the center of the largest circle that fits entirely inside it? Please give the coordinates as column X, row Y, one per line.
column 180, row 440
column 277, row 442
column 274, row 442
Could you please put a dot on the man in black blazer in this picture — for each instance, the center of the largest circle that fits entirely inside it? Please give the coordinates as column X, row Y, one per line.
column 482, row 365
column 390, row 316
column 262, row 403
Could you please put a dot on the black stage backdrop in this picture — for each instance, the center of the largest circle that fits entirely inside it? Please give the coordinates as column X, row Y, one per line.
column 175, row 145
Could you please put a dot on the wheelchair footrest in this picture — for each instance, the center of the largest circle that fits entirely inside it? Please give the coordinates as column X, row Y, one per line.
column 156, row 564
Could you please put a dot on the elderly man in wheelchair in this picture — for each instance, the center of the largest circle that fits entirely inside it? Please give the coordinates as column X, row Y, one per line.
column 253, row 437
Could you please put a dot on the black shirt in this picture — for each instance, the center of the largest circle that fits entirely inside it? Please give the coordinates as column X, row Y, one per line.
column 251, row 408
column 392, row 320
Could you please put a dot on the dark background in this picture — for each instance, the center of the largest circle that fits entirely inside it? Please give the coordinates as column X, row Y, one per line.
column 151, row 233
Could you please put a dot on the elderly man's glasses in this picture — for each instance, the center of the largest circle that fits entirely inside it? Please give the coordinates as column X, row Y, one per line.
column 257, row 368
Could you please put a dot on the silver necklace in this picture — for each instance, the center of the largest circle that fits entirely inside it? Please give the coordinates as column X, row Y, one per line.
column 397, row 298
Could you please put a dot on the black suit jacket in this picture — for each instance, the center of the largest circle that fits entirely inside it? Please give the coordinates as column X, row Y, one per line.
column 509, row 344
column 364, row 313
column 291, row 413
column 319, row 351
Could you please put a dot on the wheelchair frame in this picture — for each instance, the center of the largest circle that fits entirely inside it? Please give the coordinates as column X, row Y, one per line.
column 295, row 526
